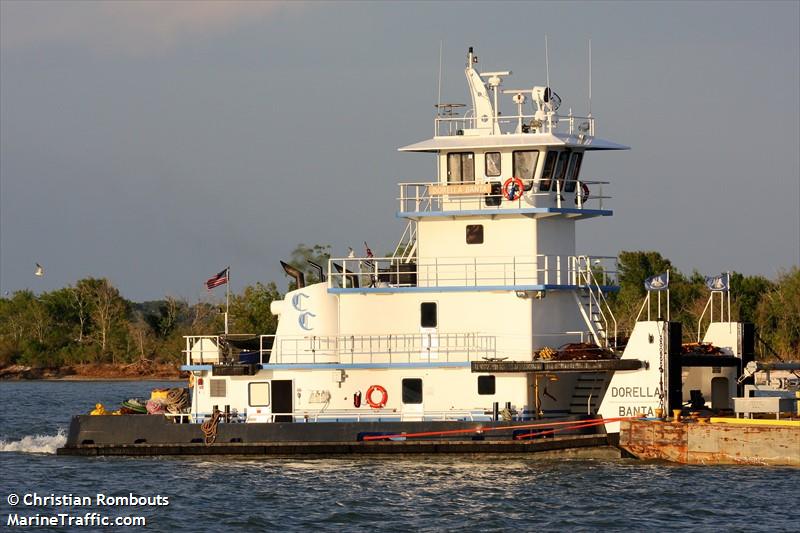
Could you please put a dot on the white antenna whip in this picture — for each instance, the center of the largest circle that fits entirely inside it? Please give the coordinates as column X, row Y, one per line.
column 439, row 89
column 547, row 60
column 590, row 76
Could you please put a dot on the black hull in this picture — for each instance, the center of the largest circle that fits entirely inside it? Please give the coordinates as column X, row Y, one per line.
column 155, row 435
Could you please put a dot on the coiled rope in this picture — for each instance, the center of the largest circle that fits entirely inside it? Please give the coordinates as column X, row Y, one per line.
column 177, row 400
column 209, row 427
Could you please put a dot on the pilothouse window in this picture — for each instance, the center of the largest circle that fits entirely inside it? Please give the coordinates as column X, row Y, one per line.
column 549, row 169
column 525, row 166
column 574, row 171
column 460, row 167
column 493, row 164
column 561, row 170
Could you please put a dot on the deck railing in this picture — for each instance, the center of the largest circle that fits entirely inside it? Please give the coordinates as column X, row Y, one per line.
column 355, row 349
column 425, row 197
column 373, row 272
column 384, row 349
column 447, row 125
column 371, row 415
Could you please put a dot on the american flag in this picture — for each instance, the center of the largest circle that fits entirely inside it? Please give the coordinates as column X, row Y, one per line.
column 219, row 279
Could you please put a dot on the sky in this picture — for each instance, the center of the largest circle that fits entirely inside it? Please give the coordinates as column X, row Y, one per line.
column 154, row 143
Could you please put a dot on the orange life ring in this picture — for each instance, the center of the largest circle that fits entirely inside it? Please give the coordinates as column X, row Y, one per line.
column 512, row 189
column 384, row 397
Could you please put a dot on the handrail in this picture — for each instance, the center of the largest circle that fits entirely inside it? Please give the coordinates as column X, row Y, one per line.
column 407, row 244
column 598, row 303
column 550, row 125
column 310, row 415
column 507, row 271
column 416, row 197
column 703, row 314
column 389, row 348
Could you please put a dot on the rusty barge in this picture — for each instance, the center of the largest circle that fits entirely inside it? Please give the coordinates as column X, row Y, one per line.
column 716, row 441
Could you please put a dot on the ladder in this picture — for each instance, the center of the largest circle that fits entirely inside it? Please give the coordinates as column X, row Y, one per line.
column 587, row 393
column 406, row 249
column 593, row 305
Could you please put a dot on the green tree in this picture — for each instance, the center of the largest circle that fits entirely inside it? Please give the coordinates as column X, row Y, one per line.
column 778, row 314
column 250, row 311
column 746, row 292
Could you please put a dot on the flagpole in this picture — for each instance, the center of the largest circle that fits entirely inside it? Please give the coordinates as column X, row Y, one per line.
column 728, row 284
column 227, row 296
column 667, row 295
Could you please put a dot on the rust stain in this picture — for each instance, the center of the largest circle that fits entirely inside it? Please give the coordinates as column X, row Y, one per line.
column 711, row 444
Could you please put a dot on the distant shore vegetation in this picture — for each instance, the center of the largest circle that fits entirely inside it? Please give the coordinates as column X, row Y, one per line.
column 91, row 322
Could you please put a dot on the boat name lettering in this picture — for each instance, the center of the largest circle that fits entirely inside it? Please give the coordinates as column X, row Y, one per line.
column 634, row 392
column 635, row 410
column 303, row 320
column 477, row 188
column 297, row 301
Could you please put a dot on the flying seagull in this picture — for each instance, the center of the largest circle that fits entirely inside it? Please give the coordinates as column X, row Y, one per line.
column 39, row 270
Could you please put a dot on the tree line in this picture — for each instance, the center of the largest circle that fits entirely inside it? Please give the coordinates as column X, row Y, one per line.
column 91, row 322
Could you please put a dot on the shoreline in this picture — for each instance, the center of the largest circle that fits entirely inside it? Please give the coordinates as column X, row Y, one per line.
column 93, row 372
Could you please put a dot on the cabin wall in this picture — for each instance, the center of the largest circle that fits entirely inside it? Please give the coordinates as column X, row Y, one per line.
column 444, row 389
column 307, row 311
column 439, row 240
column 555, row 236
column 505, row 315
column 556, row 320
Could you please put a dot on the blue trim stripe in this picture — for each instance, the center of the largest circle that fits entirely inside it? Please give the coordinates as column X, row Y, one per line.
column 190, row 368
column 523, row 211
column 467, row 288
column 361, row 366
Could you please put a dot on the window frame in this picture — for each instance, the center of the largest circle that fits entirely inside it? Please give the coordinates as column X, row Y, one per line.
column 562, row 165
column 435, row 314
column 546, row 181
column 478, row 233
column 492, row 378
column 527, row 182
column 250, row 393
column 499, row 164
column 571, row 180
column 403, row 391
column 471, row 156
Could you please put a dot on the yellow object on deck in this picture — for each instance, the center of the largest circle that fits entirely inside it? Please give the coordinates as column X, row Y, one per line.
column 99, row 410
column 159, row 394
column 755, row 422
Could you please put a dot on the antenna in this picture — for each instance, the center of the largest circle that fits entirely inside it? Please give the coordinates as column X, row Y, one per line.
column 439, row 89
column 547, row 60
column 590, row 76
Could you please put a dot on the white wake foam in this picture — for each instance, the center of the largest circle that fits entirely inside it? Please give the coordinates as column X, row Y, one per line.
column 35, row 443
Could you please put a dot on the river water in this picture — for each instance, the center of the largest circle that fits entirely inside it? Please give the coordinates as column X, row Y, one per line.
column 430, row 493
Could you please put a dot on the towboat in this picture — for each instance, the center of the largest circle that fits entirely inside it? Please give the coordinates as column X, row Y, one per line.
column 485, row 331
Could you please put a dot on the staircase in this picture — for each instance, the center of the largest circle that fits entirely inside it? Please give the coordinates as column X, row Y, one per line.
column 593, row 305
column 587, row 393
column 406, row 249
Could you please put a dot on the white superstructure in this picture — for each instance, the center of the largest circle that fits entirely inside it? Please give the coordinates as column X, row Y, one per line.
column 486, row 271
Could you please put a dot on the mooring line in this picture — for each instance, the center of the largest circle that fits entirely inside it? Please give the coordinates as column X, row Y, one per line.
column 486, row 429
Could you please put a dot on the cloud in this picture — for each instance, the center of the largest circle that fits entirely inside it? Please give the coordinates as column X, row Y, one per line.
column 127, row 26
